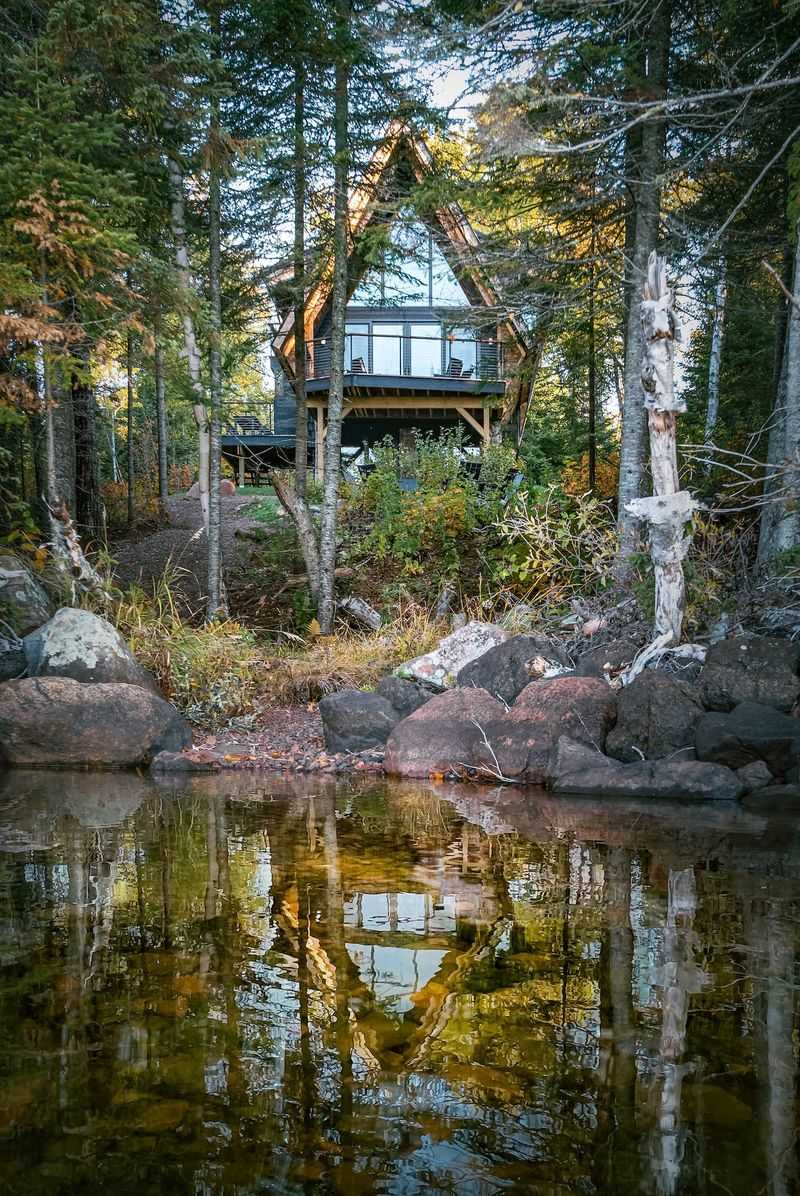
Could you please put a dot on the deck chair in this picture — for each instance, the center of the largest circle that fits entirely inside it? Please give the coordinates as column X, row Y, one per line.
column 357, row 366
column 468, row 373
column 454, row 367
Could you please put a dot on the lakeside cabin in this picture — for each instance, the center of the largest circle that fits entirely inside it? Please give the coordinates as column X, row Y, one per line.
column 429, row 343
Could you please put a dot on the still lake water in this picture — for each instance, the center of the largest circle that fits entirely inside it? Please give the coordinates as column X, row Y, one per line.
column 245, row 985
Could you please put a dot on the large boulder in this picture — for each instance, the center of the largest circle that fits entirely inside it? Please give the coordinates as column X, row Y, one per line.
column 506, row 669
column 227, row 489
column 354, row 721
column 405, row 696
column 24, row 604
column 12, row 658
column 750, row 732
column 656, row 716
column 440, row 667
column 751, row 670
column 443, row 735
column 579, row 769
column 50, row 721
column 518, row 745
column 85, row 647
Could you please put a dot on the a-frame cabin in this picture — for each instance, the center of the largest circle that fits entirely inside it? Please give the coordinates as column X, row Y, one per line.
column 429, row 343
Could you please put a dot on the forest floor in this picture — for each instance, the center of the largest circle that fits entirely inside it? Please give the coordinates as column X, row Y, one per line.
column 145, row 556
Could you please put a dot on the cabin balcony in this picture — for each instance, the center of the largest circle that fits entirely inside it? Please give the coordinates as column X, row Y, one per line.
column 405, row 365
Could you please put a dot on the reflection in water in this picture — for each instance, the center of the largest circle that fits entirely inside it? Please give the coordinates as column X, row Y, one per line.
column 243, row 987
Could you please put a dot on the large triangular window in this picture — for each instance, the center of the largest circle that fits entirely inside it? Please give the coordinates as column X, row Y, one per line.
column 413, row 272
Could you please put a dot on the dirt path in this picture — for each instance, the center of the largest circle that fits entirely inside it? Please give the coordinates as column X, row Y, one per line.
column 144, row 557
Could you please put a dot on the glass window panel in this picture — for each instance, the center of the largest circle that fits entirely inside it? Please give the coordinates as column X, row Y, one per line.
column 461, row 346
column 387, row 348
column 426, row 350
column 356, row 346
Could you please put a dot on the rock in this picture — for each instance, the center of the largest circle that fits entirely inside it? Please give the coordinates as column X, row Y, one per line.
column 354, row 721
column 404, row 696
column 185, row 762
column 760, row 670
column 50, row 721
column 521, row 741
column 443, row 735
column 750, row 732
column 85, row 647
column 226, row 488
column 24, row 604
column 754, row 775
column 439, row 668
column 617, row 655
column 656, row 717
column 579, row 769
column 12, row 659
column 775, row 799
column 506, row 669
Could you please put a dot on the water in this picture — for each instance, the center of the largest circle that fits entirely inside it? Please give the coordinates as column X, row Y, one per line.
column 247, row 986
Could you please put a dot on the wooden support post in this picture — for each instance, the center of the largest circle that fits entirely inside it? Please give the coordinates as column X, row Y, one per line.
column 240, row 455
column 471, row 420
column 319, row 446
column 487, row 427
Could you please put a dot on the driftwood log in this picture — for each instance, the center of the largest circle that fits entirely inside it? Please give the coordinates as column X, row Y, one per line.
column 669, row 511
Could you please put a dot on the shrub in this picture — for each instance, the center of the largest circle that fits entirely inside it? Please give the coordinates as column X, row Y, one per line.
column 556, row 545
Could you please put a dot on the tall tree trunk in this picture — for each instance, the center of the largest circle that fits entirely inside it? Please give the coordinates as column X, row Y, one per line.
column 333, row 440
column 592, row 379
column 301, row 425
column 215, row 589
column 178, row 224
column 88, row 502
column 648, row 210
column 786, row 534
column 161, row 422
column 129, row 423
column 715, row 355
column 670, row 508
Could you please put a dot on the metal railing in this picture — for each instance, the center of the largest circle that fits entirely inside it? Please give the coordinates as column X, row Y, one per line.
column 403, row 355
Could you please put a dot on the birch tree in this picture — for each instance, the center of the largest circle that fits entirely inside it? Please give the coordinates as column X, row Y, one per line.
column 715, row 355
column 333, row 434
column 192, row 351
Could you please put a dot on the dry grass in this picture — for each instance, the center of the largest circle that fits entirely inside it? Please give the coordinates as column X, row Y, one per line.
column 351, row 659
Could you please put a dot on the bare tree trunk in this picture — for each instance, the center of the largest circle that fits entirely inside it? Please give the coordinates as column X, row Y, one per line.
column 178, row 224
column 333, row 440
column 715, row 355
column 670, row 508
column 648, row 210
column 592, row 379
column 784, row 533
column 88, row 503
column 215, row 604
column 295, row 506
column 301, row 425
column 129, row 424
column 161, row 421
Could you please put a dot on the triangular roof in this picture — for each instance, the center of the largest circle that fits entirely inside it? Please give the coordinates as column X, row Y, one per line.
column 452, row 230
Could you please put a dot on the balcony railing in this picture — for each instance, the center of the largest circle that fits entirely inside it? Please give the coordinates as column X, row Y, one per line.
column 403, row 355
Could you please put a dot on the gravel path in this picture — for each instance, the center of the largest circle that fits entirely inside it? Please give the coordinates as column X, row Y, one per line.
column 144, row 557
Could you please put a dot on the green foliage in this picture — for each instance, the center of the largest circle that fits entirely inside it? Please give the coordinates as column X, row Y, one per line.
column 426, row 525
column 556, row 545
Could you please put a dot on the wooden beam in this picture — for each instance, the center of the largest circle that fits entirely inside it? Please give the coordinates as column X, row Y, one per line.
column 406, row 402
column 471, row 420
column 487, row 427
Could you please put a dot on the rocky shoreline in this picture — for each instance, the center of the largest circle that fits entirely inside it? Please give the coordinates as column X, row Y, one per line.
column 485, row 706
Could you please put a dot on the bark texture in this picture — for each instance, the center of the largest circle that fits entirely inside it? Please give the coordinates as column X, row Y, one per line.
column 670, row 508
column 649, row 156
column 715, row 355
column 161, row 423
column 215, row 604
column 129, row 427
column 333, row 439
column 301, row 426
column 178, row 225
